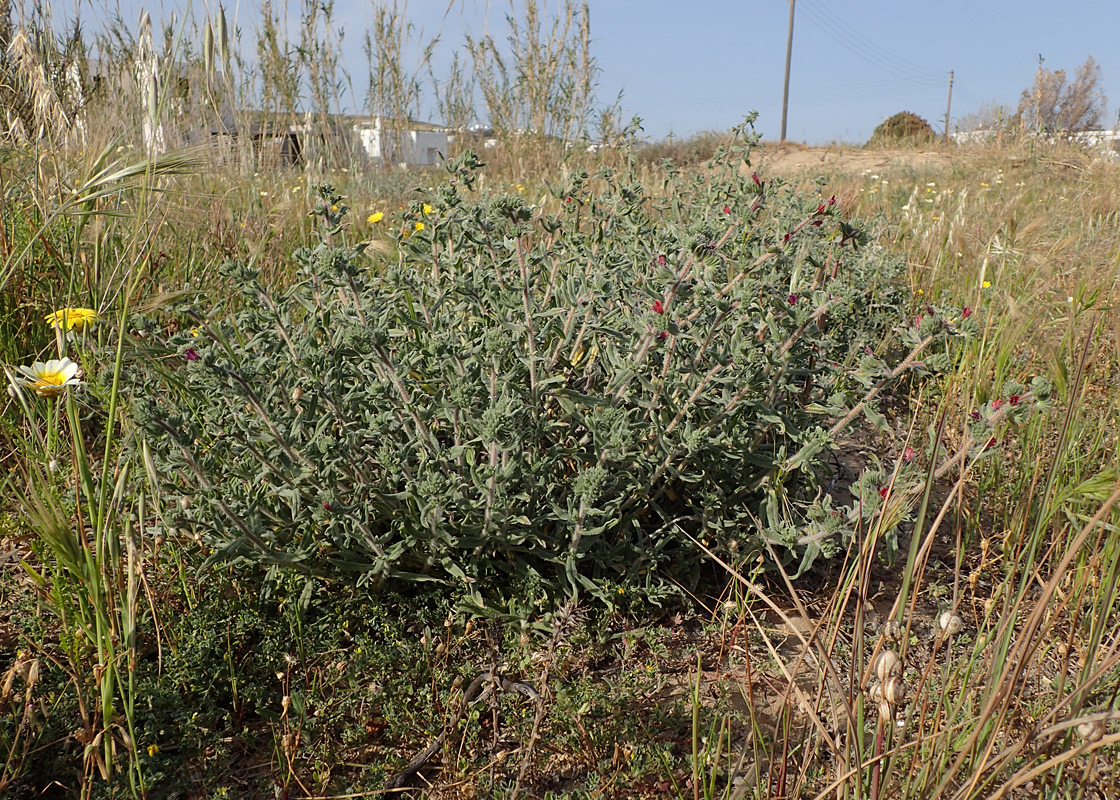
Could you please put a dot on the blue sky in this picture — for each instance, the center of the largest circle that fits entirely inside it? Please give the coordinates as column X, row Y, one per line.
column 690, row 65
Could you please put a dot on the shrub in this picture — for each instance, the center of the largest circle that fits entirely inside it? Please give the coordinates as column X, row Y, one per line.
column 903, row 128
column 561, row 397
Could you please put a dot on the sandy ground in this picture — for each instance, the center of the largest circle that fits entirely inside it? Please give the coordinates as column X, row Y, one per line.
column 788, row 158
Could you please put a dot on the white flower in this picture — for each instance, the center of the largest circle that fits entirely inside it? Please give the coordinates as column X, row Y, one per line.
column 50, row 379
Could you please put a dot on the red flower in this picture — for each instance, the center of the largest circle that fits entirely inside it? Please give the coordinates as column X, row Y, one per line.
column 832, row 200
column 191, row 354
column 792, row 299
column 663, row 335
column 326, row 506
column 908, row 454
column 967, row 312
column 727, row 209
column 918, row 321
column 996, row 404
column 816, row 223
column 785, row 238
column 1014, row 399
column 661, row 260
column 884, row 491
column 755, row 205
column 991, row 442
column 820, row 208
column 974, row 416
column 658, row 308
column 567, row 199
column 754, row 177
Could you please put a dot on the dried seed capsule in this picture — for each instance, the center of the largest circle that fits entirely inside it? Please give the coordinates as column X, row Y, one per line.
column 1091, row 731
column 887, row 664
column 894, row 690
column 950, row 623
column 892, row 631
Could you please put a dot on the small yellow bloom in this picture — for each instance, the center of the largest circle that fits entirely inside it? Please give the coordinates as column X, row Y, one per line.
column 987, row 284
column 983, row 184
column 419, row 226
column 334, row 208
column 375, row 217
column 520, row 189
column 921, row 291
column 73, row 319
column 153, row 749
column 427, row 209
column 195, row 332
column 50, row 379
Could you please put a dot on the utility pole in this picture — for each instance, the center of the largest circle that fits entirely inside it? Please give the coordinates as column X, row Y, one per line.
column 789, row 54
column 948, row 105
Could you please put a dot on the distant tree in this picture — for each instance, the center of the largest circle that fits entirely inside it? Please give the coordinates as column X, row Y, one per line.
column 1054, row 104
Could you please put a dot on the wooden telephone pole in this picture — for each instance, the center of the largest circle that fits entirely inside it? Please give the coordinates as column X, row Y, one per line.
column 948, row 105
column 789, row 54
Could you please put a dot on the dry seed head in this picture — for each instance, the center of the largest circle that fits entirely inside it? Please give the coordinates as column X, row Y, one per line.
column 951, row 624
column 894, row 690
column 892, row 631
column 886, row 665
column 1091, row 731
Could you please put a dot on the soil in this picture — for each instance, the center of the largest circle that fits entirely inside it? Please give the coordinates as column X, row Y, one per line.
column 787, row 158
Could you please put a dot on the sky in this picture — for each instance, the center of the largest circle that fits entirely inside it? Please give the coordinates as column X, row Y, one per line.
column 685, row 66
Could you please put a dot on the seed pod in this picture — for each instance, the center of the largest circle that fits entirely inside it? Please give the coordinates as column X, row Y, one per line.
column 1091, row 731
column 892, row 631
column 208, row 48
column 887, row 664
column 894, row 690
column 951, row 624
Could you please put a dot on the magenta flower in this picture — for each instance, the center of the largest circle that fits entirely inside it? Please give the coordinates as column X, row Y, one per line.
column 663, row 335
column 191, row 354
column 967, row 312
column 754, row 177
column 1014, row 399
column 658, row 308
column 996, row 404
column 908, row 454
column 727, row 209
column 792, row 299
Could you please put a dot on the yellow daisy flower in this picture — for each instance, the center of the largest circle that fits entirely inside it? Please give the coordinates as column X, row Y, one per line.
column 50, row 378
column 419, row 226
column 987, row 284
column 73, row 319
column 427, row 210
column 375, row 217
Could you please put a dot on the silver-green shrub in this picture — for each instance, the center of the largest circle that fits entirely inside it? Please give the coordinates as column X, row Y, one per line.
column 567, row 395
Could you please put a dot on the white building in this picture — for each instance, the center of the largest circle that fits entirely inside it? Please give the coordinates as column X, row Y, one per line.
column 421, row 144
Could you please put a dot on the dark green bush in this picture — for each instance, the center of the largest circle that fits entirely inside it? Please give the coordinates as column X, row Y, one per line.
column 559, row 398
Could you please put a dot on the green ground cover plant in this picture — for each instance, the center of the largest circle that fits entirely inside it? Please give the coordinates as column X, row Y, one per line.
column 556, row 397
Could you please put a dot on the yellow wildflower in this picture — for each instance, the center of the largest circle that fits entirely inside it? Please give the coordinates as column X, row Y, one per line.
column 987, row 284
column 153, row 749
column 419, row 226
column 427, row 209
column 375, row 217
column 73, row 319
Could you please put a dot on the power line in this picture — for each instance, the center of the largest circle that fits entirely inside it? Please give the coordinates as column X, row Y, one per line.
column 866, row 49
